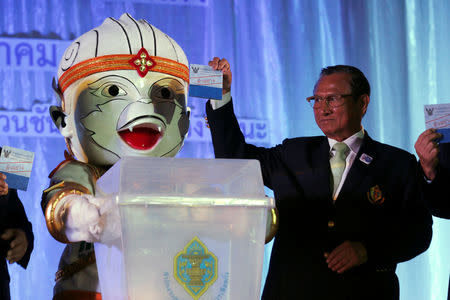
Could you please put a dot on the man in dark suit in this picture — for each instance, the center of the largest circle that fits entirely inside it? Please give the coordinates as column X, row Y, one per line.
column 16, row 236
column 434, row 161
column 349, row 207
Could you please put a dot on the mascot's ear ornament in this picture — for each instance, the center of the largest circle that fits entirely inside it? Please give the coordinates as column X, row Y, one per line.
column 56, row 112
column 123, row 90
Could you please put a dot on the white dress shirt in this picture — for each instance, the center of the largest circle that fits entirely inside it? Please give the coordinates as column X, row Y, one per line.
column 215, row 104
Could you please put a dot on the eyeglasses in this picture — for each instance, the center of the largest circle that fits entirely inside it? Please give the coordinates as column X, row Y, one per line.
column 331, row 100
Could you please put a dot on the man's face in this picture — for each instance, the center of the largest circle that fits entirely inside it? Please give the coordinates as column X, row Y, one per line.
column 340, row 122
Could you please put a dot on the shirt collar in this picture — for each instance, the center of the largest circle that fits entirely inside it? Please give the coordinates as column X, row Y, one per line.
column 353, row 142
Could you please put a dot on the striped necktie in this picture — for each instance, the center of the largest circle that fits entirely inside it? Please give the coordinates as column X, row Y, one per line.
column 337, row 163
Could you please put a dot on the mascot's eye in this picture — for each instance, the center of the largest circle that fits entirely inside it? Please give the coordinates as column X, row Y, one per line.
column 162, row 93
column 113, row 91
column 165, row 93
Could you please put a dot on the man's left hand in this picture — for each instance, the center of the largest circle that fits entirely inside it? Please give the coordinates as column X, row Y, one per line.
column 346, row 256
column 18, row 245
column 224, row 66
column 3, row 185
column 428, row 149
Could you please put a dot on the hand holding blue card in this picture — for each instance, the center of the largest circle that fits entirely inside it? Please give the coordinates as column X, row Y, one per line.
column 16, row 164
column 438, row 116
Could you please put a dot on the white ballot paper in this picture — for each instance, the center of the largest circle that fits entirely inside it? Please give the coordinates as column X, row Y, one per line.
column 204, row 82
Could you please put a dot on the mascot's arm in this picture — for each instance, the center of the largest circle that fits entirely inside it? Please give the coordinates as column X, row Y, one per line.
column 71, row 211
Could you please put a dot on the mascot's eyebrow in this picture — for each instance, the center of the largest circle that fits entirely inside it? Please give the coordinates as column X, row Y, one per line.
column 124, row 31
column 93, row 86
column 140, row 33
column 158, row 83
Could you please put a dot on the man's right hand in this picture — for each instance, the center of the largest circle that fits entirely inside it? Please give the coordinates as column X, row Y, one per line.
column 222, row 65
column 428, row 149
column 346, row 256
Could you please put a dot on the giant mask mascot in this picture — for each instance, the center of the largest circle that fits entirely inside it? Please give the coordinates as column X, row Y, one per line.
column 123, row 90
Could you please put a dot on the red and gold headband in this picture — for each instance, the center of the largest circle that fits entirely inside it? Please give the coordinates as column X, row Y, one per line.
column 142, row 62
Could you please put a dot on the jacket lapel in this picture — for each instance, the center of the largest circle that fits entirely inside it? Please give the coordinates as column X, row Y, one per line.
column 318, row 183
column 360, row 169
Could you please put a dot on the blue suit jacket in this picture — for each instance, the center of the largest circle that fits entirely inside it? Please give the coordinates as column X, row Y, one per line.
column 379, row 205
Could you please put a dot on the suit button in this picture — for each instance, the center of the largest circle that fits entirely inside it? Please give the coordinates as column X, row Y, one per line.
column 330, row 224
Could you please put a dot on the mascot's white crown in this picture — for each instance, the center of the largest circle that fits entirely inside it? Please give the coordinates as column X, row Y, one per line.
column 140, row 46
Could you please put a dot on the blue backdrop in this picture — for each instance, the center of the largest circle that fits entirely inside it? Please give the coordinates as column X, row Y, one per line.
column 276, row 50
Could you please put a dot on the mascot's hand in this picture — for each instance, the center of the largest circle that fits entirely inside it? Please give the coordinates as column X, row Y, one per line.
column 110, row 219
column 83, row 222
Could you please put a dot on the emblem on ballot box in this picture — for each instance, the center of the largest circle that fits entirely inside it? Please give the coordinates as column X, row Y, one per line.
column 195, row 268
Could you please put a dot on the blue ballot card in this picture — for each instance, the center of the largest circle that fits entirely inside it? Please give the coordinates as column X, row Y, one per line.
column 438, row 116
column 16, row 164
column 204, row 82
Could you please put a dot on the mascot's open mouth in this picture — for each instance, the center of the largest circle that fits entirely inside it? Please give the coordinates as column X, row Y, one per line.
column 141, row 134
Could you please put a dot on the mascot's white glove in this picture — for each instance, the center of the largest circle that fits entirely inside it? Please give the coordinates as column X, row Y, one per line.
column 82, row 218
column 91, row 219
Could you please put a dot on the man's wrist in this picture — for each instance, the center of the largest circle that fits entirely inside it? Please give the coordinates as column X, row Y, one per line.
column 216, row 104
column 361, row 252
column 429, row 174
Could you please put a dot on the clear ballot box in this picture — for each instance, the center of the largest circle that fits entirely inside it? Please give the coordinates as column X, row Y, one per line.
column 185, row 229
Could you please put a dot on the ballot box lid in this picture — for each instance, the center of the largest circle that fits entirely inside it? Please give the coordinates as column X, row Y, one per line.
column 185, row 181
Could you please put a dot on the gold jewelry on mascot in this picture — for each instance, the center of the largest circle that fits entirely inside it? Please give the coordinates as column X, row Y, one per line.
column 273, row 225
column 55, row 223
